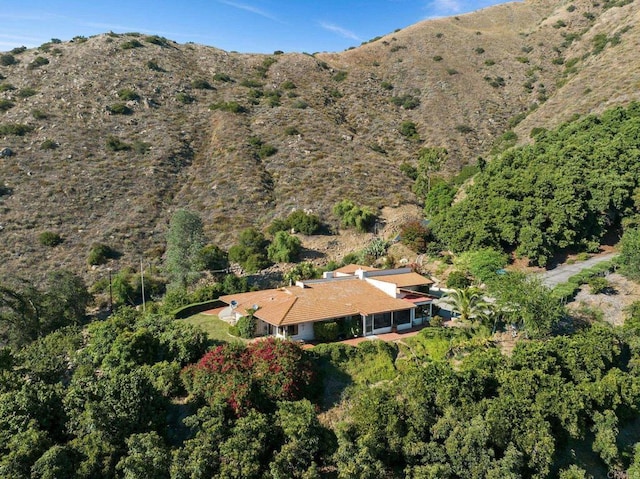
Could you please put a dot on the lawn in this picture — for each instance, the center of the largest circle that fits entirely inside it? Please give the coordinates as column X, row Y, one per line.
column 215, row 328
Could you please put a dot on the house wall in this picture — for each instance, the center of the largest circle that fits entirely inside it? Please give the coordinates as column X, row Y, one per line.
column 387, row 288
column 305, row 332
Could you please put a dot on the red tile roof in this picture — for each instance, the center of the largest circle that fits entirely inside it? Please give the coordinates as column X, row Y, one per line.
column 403, row 280
column 317, row 301
column 352, row 268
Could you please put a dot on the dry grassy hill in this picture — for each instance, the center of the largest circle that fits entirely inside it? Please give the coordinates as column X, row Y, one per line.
column 121, row 130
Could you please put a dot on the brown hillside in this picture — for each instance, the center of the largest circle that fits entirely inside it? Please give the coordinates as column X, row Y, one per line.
column 330, row 120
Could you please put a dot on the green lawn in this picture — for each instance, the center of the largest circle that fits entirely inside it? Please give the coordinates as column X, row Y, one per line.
column 216, row 329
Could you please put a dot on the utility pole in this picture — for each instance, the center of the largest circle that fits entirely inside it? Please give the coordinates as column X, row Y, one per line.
column 144, row 308
column 110, row 293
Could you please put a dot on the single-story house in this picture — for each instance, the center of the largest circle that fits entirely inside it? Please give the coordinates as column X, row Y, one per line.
column 362, row 300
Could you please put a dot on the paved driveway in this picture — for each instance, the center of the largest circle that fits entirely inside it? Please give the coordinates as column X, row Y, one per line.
column 562, row 273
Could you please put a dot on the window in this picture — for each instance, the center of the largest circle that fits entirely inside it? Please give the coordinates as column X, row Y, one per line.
column 402, row 317
column 381, row 320
column 422, row 311
column 291, row 330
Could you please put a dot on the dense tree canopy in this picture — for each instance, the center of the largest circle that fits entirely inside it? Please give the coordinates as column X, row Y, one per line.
column 568, row 189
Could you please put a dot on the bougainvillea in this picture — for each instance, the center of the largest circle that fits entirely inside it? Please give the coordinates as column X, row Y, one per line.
column 257, row 376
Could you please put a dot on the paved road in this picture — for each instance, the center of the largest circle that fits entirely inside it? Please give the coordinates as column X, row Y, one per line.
column 562, row 273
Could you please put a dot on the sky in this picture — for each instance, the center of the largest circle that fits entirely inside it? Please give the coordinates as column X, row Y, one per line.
column 247, row 26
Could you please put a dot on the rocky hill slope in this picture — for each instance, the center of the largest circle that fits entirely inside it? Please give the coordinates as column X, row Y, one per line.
column 103, row 138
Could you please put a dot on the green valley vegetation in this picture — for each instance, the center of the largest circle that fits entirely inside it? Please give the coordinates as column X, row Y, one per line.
column 141, row 394
column 567, row 190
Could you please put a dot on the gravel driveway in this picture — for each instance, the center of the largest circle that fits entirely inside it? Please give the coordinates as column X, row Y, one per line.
column 562, row 273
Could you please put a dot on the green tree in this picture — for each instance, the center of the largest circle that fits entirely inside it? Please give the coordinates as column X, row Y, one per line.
column 523, row 300
column 58, row 461
column 213, row 258
column 244, row 452
column 482, row 264
column 185, row 240
column 250, row 251
column 430, row 161
column 147, row 456
column 629, row 258
column 284, row 248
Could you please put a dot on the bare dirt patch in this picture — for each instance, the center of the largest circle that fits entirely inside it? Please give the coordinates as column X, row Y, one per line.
column 322, row 249
column 612, row 305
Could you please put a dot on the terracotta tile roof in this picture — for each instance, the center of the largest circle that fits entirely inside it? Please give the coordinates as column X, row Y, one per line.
column 352, row 268
column 317, row 301
column 403, row 280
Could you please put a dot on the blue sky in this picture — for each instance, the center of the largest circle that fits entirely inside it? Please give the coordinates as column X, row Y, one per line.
column 256, row 26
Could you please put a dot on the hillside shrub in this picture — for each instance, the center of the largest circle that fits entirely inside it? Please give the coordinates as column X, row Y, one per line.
column 185, row 98
column 291, row 131
column 116, row 144
column 288, row 85
column 141, row 147
column 153, row 65
column 157, row 40
column 17, row 129
column 351, row 215
column 250, row 251
column 119, row 109
column 479, row 50
column 27, row 92
column 408, row 102
column 303, row 222
column 7, row 59
column 437, row 58
column 300, row 104
column 223, row 77
column 230, row 106
column 6, row 87
column 416, row 236
column 201, row 84
column 38, row 62
column 127, row 94
column 49, row 238
column 6, row 105
column 49, row 144
column 39, row 114
column 131, row 44
column 339, row 76
column 409, row 130
column 100, row 253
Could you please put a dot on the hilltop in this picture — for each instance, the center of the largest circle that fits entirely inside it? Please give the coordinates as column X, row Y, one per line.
column 105, row 137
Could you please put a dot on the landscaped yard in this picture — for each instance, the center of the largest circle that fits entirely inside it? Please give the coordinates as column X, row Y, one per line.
column 215, row 328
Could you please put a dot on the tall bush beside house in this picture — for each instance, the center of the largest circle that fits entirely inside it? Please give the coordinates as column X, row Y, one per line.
column 284, row 248
column 326, row 331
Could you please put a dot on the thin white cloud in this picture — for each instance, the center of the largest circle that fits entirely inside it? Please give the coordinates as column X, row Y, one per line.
column 251, row 9
column 4, row 38
column 343, row 32
column 444, row 7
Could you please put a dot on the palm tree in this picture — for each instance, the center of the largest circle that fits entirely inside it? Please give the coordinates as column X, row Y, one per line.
column 469, row 304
